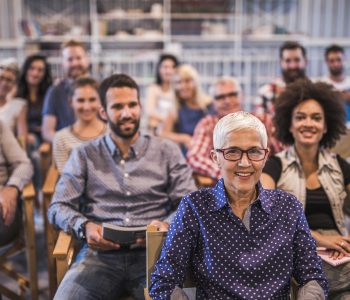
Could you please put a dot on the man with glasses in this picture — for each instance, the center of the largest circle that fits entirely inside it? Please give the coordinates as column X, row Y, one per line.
column 227, row 96
column 12, row 110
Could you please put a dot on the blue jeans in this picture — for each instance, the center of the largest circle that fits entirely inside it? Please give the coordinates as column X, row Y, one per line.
column 104, row 275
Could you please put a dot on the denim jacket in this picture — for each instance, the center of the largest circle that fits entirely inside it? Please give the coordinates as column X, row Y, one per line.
column 329, row 174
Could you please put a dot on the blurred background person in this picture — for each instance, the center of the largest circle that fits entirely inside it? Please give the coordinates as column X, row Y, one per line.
column 310, row 117
column 86, row 105
column 227, row 94
column 57, row 112
column 15, row 172
column 192, row 104
column 13, row 111
column 34, row 81
column 159, row 95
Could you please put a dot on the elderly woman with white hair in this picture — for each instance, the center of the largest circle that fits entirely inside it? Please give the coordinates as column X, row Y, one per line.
column 240, row 240
column 192, row 104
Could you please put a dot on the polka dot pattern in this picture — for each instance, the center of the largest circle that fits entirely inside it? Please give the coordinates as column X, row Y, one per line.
column 228, row 260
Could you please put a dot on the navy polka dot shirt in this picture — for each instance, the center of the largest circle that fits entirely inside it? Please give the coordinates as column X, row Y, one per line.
column 231, row 261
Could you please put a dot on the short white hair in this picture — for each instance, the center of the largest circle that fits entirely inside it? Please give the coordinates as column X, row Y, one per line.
column 237, row 121
column 225, row 80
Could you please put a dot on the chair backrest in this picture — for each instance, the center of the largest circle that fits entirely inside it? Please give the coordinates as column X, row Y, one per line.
column 154, row 243
column 50, row 232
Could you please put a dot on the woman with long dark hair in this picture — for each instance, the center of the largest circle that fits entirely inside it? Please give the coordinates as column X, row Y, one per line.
column 33, row 83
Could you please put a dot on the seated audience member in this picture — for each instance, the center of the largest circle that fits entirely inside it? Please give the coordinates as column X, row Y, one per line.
column 335, row 60
column 192, row 105
column 57, row 113
column 86, row 105
column 160, row 96
column 124, row 178
column 293, row 62
column 15, row 172
column 227, row 99
column 12, row 110
column 310, row 118
column 240, row 240
column 34, row 81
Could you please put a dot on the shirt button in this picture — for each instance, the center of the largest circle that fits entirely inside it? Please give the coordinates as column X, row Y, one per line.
column 126, row 175
column 127, row 220
column 122, row 162
column 128, row 193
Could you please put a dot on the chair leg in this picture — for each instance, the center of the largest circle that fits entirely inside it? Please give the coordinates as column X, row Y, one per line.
column 29, row 230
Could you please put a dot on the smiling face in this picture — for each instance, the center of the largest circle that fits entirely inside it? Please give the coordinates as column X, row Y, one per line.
column 227, row 98
column 36, row 72
column 335, row 62
column 7, row 82
column 308, row 123
column 293, row 64
column 167, row 70
column 123, row 111
column 86, row 103
column 185, row 88
column 241, row 176
column 75, row 61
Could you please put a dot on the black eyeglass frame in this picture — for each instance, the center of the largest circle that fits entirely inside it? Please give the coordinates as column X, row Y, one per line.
column 223, row 96
column 242, row 152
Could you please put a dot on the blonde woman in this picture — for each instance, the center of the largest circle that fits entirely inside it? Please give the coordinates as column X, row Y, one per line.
column 86, row 105
column 192, row 105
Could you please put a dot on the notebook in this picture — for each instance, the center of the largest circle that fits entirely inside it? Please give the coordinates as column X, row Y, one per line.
column 122, row 235
column 324, row 254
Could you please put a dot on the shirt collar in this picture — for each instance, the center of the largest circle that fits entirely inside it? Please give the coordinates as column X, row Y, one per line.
column 325, row 159
column 221, row 199
column 136, row 150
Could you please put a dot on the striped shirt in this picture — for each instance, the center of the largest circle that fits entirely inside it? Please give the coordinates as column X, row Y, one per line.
column 64, row 142
column 98, row 184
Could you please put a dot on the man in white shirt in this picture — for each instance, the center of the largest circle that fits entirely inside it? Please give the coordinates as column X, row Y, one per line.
column 335, row 60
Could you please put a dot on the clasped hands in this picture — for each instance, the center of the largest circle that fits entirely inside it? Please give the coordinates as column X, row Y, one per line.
column 93, row 233
column 339, row 244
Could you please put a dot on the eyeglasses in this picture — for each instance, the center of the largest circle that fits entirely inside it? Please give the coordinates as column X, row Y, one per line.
column 7, row 79
column 234, row 153
column 223, row 96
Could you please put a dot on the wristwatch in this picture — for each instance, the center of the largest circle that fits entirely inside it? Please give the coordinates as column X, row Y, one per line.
column 81, row 231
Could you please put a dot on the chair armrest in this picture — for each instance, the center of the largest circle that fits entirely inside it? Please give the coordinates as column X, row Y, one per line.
column 50, row 181
column 203, row 181
column 28, row 192
column 63, row 253
column 45, row 149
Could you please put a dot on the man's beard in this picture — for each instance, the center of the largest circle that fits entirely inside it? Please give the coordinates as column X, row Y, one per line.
column 336, row 71
column 292, row 75
column 116, row 128
column 72, row 72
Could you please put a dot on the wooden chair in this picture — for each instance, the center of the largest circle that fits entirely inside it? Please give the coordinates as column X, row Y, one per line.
column 154, row 243
column 28, row 243
column 45, row 153
column 50, row 232
column 203, row 181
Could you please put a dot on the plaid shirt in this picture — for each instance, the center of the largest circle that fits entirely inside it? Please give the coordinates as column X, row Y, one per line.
column 198, row 155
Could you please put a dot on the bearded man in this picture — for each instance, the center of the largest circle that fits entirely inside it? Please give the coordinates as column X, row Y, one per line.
column 125, row 178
